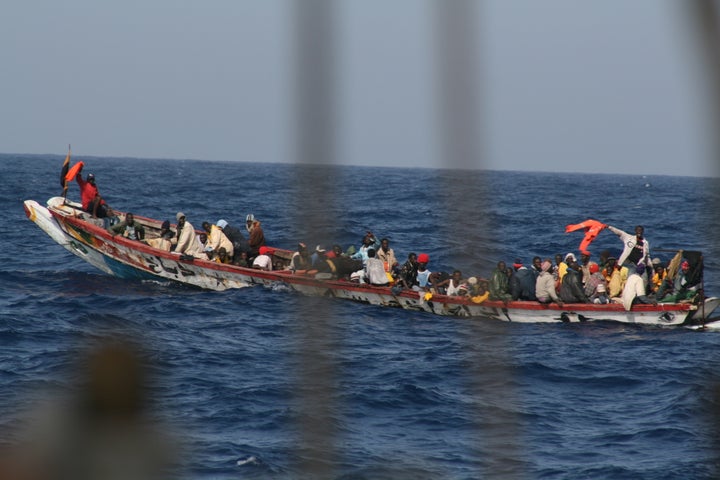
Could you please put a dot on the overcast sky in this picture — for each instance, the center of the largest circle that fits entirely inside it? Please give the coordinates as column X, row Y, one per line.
column 562, row 85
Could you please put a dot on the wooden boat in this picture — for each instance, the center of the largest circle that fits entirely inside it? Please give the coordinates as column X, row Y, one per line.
column 68, row 225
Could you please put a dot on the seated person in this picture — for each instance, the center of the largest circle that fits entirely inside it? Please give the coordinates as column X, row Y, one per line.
column 375, row 270
column 456, row 285
column 241, row 260
column 499, row 284
column 679, row 288
column 222, row 256
column 164, row 241
column 300, row 259
column 634, row 291
column 545, row 285
column 264, row 260
column 522, row 282
column 571, row 290
column 129, row 228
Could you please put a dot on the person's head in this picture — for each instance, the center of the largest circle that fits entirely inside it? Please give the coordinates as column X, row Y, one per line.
column 203, row 238
column 385, row 244
column 517, row 264
column 412, row 258
column 165, row 226
column 222, row 224
column 585, row 257
column 302, row 248
column 558, row 259
column 423, row 259
column 501, row 266
column 639, row 231
column 457, row 275
column 180, row 217
column 611, row 263
column 371, row 253
column 206, row 226
column 594, row 268
column 546, row 265
column 337, row 250
column 640, row 268
column 91, row 178
column 685, row 266
column 367, row 240
column 570, row 257
column 537, row 263
column 222, row 254
column 129, row 218
column 249, row 219
column 604, row 255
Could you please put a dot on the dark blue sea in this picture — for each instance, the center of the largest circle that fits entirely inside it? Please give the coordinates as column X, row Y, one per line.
column 258, row 383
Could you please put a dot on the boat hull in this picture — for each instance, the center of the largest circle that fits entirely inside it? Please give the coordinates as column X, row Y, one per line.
column 65, row 223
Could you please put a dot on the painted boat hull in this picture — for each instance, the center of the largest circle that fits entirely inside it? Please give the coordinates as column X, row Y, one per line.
column 68, row 226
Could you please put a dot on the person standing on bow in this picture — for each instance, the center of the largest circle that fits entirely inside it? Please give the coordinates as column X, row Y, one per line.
column 90, row 198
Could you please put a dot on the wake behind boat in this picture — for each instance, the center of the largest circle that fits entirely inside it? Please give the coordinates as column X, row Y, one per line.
column 81, row 234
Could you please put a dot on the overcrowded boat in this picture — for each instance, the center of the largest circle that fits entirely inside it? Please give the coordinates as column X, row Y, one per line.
column 87, row 237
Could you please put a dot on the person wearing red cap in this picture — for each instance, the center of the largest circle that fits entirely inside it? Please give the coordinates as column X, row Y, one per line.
column 423, row 273
column 264, row 260
column 595, row 279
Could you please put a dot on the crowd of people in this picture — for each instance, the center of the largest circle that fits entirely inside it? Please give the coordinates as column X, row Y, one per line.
column 632, row 277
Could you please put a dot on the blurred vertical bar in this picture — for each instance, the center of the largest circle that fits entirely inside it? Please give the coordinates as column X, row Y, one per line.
column 315, row 151
column 488, row 372
column 705, row 17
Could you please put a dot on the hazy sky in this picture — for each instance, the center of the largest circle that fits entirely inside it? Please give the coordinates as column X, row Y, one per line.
column 562, row 85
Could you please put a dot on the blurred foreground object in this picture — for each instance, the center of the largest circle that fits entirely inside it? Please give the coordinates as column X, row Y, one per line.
column 101, row 430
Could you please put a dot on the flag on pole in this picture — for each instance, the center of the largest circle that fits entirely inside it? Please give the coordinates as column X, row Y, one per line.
column 65, row 168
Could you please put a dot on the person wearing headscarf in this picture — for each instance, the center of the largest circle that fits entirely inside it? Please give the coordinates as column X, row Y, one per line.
column 187, row 241
column 571, row 290
column 545, row 285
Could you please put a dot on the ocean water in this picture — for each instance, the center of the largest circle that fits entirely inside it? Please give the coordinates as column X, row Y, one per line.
column 260, row 383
